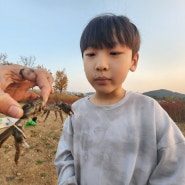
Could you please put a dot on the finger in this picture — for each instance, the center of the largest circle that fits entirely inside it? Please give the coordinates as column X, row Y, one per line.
column 30, row 96
column 41, row 78
column 45, row 93
column 10, row 106
column 9, row 74
column 19, row 91
column 44, row 81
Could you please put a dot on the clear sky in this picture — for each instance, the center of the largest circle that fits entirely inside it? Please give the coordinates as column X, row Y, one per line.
column 50, row 30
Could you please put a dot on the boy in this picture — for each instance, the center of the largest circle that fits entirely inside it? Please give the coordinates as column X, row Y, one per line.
column 117, row 137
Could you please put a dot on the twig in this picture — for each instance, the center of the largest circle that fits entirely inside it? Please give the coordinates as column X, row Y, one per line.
column 13, row 124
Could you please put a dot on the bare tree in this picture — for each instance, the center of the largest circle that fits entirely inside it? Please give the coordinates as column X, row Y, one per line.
column 3, row 58
column 28, row 61
column 42, row 67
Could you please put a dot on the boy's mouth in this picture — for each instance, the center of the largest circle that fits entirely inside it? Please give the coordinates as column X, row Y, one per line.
column 102, row 80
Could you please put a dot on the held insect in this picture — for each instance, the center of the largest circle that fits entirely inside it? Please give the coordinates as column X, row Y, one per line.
column 32, row 108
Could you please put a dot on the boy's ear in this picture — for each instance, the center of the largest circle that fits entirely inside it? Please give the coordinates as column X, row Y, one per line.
column 134, row 62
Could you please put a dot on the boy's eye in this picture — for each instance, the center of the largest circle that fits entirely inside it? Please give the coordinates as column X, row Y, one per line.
column 115, row 53
column 90, row 54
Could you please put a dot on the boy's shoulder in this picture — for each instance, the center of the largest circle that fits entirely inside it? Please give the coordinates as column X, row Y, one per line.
column 140, row 101
column 135, row 96
column 80, row 101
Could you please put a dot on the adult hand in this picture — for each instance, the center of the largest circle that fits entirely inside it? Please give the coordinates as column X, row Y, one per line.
column 15, row 82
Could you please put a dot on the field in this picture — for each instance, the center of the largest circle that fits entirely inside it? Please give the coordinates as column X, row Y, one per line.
column 36, row 164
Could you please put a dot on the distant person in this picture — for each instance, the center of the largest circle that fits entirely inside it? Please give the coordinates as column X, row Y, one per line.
column 116, row 136
column 15, row 82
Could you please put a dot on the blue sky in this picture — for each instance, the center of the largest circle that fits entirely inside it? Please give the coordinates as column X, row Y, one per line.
column 50, row 30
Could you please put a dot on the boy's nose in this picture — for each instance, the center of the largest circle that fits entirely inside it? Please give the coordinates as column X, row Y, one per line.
column 102, row 64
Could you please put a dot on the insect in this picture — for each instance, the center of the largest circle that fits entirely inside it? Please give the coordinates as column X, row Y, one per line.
column 33, row 107
column 52, row 107
column 58, row 107
column 66, row 108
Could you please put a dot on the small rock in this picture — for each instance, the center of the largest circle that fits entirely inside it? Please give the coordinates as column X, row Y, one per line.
column 18, row 174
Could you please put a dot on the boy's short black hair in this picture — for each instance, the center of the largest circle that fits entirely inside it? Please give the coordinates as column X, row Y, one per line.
column 108, row 29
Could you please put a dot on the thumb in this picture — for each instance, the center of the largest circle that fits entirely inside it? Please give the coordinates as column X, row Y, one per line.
column 9, row 106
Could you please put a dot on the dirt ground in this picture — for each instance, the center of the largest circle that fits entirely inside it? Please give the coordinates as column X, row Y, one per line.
column 36, row 164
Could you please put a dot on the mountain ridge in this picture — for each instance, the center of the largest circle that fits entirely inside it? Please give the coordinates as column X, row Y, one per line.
column 163, row 93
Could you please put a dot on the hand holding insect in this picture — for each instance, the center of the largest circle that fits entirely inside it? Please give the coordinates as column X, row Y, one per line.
column 15, row 82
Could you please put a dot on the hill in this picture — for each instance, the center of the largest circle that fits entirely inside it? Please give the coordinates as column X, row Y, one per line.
column 163, row 93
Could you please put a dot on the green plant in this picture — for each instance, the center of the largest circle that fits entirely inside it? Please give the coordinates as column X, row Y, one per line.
column 39, row 162
column 20, row 180
column 43, row 175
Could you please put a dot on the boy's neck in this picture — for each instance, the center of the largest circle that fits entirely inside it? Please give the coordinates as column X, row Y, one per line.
column 107, row 99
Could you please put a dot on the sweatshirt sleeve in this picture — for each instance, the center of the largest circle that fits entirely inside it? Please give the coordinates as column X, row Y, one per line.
column 64, row 161
column 170, row 168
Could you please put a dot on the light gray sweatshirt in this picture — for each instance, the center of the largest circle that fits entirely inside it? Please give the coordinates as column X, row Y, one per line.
column 132, row 142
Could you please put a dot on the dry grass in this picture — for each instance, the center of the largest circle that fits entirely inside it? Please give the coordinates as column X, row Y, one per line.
column 67, row 98
column 182, row 127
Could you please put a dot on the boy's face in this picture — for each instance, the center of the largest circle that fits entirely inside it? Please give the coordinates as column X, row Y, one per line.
column 106, row 69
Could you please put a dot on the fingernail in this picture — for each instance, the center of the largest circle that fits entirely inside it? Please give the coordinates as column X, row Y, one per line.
column 15, row 111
